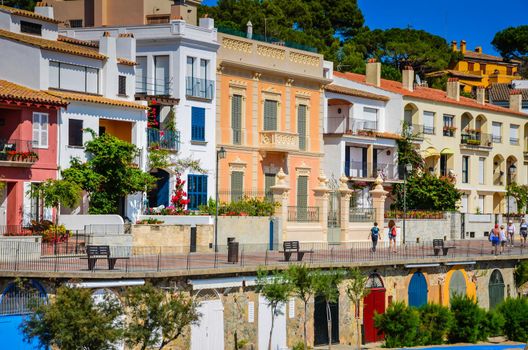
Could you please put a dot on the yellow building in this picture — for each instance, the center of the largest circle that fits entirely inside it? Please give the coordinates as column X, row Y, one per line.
column 477, row 69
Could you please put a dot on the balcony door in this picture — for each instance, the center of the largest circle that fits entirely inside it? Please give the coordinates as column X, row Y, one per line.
column 3, row 204
column 141, row 75
column 161, row 75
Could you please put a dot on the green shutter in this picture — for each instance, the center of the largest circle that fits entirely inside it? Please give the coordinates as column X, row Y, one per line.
column 236, row 119
column 302, row 198
column 270, row 115
column 269, row 180
column 301, row 126
column 237, row 185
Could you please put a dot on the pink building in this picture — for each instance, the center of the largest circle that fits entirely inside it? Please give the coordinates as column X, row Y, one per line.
column 28, row 150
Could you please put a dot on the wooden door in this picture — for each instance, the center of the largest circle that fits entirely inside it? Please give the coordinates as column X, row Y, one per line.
column 417, row 292
column 374, row 302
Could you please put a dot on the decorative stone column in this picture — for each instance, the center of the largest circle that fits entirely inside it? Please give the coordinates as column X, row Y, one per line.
column 321, row 201
column 379, row 195
column 344, row 207
column 281, row 192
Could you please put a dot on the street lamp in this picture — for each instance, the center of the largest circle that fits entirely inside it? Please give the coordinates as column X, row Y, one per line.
column 220, row 154
column 511, row 172
column 408, row 169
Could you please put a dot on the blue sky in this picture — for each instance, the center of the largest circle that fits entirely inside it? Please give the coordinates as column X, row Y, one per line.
column 474, row 21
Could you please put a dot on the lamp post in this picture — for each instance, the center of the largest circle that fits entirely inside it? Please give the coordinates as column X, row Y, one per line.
column 511, row 172
column 220, row 154
column 408, row 169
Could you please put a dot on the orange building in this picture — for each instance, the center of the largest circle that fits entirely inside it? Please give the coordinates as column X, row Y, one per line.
column 269, row 117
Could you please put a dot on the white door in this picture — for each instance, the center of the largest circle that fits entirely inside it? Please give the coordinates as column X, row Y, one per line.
column 101, row 296
column 209, row 333
column 3, row 204
column 278, row 340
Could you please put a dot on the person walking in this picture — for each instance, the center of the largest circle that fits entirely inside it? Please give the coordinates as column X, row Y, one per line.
column 374, row 235
column 392, row 236
column 523, row 229
column 503, row 238
column 494, row 238
column 510, row 229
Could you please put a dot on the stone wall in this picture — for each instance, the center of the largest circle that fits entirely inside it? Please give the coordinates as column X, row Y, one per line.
column 247, row 230
column 170, row 238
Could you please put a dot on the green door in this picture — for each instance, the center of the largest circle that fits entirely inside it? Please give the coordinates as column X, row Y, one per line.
column 496, row 289
column 269, row 180
column 302, row 198
column 457, row 285
column 237, row 185
column 301, row 126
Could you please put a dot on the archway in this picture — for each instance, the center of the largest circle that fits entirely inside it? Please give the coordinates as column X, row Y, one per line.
column 417, row 291
column 481, row 124
column 496, row 289
column 511, row 170
column 457, row 284
column 339, row 116
column 411, row 118
column 208, row 334
column 160, row 195
column 374, row 302
column 498, row 170
column 320, row 321
column 465, row 123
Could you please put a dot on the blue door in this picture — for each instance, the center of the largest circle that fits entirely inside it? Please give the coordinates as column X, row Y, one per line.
column 417, row 290
column 11, row 335
column 271, row 235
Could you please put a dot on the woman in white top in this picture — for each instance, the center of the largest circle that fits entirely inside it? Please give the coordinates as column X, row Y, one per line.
column 511, row 232
column 503, row 238
column 523, row 231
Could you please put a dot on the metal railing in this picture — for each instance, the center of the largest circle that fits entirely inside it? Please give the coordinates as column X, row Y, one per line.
column 164, row 139
column 514, row 140
column 428, row 130
column 496, row 139
column 18, row 151
column 359, row 125
column 233, row 195
column 152, row 86
column 201, row 88
column 416, row 130
column 303, row 214
column 369, row 170
column 362, row 215
column 476, row 139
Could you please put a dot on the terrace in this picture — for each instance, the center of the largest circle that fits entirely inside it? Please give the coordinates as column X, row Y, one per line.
column 17, row 153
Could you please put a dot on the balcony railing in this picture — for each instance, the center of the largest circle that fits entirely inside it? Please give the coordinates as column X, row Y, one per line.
column 359, row 125
column 496, row 139
column 477, row 139
column 369, row 170
column 514, row 140
column 279, row 141
column 157, row 87
column 428, row 130
column 362, row 215
column 17, row 153
column 416, row 130
column 164, row 139
column 200, row 88
column 303, row 214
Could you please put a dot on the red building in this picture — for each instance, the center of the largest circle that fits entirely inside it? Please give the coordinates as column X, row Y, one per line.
column 28, row 150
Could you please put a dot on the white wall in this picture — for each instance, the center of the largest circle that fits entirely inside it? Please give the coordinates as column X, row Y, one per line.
column 21, row 64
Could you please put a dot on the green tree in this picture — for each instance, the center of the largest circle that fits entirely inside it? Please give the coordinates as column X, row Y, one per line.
column 74, row 321
column 521, row 273
column 399, row 324
column 468, row 320
column 512, row 44
column 109, row 174
column 435, row 322
column 157, row 318
column 356, row 290
column 327, row 286
column 276, row 289
column 55, row 193
column 407, row 152
column 519, row 193
column 21, row 4
column 515, row 311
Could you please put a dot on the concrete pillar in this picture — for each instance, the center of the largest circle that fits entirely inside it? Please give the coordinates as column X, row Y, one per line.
column 379, row 195
column 370, row 162
column 344, row 207
column 281, row 192
column 321, row 201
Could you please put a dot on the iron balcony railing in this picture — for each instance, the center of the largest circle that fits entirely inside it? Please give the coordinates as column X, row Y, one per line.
column 200, row 88
column 362, row 215
column 359, row 125
column 152, row 86
column 303, row 214
column 496, row 139
column 478, row 138
column 514, row 140
column 18, row 151
column 164, row 139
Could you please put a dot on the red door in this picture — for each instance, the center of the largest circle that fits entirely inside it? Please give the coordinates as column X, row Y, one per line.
column 373, row 302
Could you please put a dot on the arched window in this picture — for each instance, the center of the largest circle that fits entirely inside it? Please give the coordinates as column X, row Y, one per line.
column 496, row 289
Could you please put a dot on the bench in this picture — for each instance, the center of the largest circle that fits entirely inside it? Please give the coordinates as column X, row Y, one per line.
column 95, row 252
column 291, row 247
column 439, row 244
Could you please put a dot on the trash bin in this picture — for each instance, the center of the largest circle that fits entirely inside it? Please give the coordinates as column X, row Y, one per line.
column 232, row 250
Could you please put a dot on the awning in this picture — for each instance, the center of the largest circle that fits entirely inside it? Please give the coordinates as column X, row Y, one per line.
column 228, row 282
column 106, row 284
column 431, row 152
column 447, row 151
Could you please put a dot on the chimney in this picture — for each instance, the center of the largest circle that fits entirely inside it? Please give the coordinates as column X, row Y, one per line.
column 454, row 46
column 206, row 22
column 478, row 49
column 481, row 95
column 249, row 30
column 408, row 78
column 516, row 100
column 373, row 75
column 43, row 9
column 186, row 10
column 107, row 46
column 126, row 46
column 463, row 46
column 453, row 89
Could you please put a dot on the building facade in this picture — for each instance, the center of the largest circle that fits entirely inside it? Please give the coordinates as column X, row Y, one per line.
column 499, row 94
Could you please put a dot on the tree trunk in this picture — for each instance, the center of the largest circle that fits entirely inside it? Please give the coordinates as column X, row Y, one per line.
column 358, row 329
column 272, row 324
column 329, row 324
column 305, row 321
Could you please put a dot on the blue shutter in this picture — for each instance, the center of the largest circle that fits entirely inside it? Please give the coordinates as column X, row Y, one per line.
column 198, row 124
column 196, row 191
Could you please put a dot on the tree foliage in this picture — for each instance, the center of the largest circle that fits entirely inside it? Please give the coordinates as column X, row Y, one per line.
column 57, row 192
column 74, row 321
column 521, row 273
column 515, row 311
column 21, row 4
column 435, row 322
column 399, row 325
column 356, row 290
column 519, row 193
column 407, row 151
column 469, row 318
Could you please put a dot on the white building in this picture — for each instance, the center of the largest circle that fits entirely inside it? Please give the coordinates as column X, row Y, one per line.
column 176, row 69
column 96, row 78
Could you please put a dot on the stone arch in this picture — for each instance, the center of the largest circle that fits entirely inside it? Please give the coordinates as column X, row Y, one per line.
column 459, row 272
column 339, row 116
column 466, row 122
column 481, row 123
column 499, row 170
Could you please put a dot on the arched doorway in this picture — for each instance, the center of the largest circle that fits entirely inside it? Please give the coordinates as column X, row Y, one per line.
column 417, row 291
column 339, row 116
column 101, row 296
column 160, row 195
column 496, row 289
column 14, row 306
column 320, row 321
column 374, row 302
column 208, row 334
column 457, row 284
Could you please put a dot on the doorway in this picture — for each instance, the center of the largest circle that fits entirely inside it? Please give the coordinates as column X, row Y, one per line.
column 417, row 292
column 3, row 203
column 374, row 302
column 209, row 333
column 496, row 289
column 278, row 338
column 321, row 319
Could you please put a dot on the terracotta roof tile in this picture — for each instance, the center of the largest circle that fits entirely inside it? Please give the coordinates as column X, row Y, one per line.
column 428, row 94
column 354, row 92
column 11, row 91
column 126, row 62
column 76, row 96
column 52, row 45
column 29, row 14
column 501, row 92
column 74, row 41
column 482, row 56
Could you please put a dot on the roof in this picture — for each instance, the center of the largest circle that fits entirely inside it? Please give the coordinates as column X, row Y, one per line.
column 52, row 45
column 455, row 73
column 126, row 62
column 354, row 92
column 428, row 94
column 74, row 41
column 501, row 92
column 482, row 56
column 11, row 91
column 76, row 96
column 29, row 14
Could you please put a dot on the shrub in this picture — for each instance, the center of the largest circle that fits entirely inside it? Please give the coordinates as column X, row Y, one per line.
column 468, row 320
column 435, row 322
column 493, row 324
column 149, row 221
column 521, row 273
column 516, row 312
column 399, row 324
column 246, row 206
column 55, row 234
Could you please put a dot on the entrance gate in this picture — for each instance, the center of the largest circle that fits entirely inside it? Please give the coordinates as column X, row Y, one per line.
column 334, row 212
column 496, row 289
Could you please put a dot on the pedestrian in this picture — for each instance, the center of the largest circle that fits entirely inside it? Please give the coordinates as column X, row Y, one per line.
column 511, row 232
column 392, row 236
column 503, row 238
column 374, row 235
column 494, row 238
column 524, row 232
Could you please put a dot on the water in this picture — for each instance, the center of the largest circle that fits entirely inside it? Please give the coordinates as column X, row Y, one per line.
column 476, row 347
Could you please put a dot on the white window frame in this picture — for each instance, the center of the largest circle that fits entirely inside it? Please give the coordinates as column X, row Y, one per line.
column 482, row 170
column 40, row 127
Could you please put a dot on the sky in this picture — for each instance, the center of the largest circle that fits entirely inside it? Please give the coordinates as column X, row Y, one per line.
column 470, row 20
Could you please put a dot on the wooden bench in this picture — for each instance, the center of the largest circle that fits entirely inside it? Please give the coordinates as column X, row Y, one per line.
column 291, row 247
column 95, row 252
column 439, row 245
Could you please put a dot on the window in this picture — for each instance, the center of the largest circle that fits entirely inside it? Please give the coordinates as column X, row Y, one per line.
column 302, row 191
column 204, row 64
column 237, row 185
column 301, row 126
column 72, row 77
column 236, row 119
column 198, row 124
column 496, row 129
column 465, row 169
column 30, row 28
column 449, row 127
column 75, row 132
column 483, row 68
column 509, row 70
column 190, row 66
column 270, row 115
column 471, row 66
column 428, row 118
column 482, row 163
column 514, row 134
column 40, row 130
column 480, row 206
column 141, row 74
column 370, row 119
column 161, row 75
column 443, row 165
column 269, row 180
column 122, row 85
column 76, row 23
column 197, row 191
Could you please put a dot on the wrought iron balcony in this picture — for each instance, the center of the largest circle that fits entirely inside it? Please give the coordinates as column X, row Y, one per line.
column 367, row 170
column 17, row 153
column 303, row 214
column 476, row 139
column 279, row 141
column 164, row 139
column 362, row 215
column 200, row 88
column 156, row 87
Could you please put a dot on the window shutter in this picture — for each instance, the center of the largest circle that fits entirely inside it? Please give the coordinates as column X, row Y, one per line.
column 236, row 119
column 301, row 126
column 270, row 115
column 237, row 185
column 43, row 130
column 302, row 191
column 122, row 85
column 36, row 129
column 196, row 191
column 269, row 180
column 198, row 124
